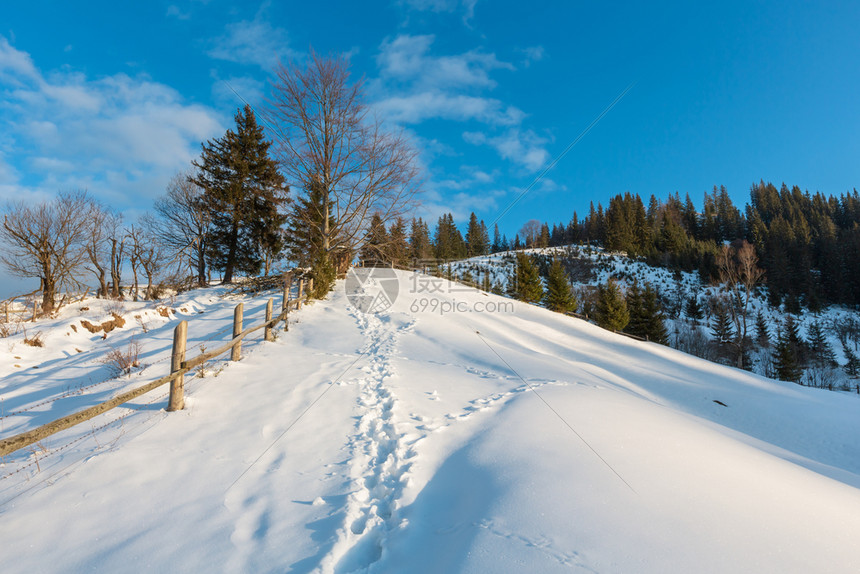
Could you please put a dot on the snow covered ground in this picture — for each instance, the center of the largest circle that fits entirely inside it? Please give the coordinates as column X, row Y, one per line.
column 675, row 289
column 426, row 438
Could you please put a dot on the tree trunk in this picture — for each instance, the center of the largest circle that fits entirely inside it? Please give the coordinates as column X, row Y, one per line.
column 116, row 293
column 326, row 231
column 148, row 294
column 134, row 273
column 48, row 292
column 231, row 254
column 103, row 288
column 201, row 265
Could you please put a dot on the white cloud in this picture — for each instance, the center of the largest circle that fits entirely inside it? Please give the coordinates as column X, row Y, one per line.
column 532, row 54
column 407, row 58
column 252, row 42
column 119, row 137
column 416, row 86
column 418, row 107
column 14, row 64
column 523, row 147
column 175, row 11
column 438, row 6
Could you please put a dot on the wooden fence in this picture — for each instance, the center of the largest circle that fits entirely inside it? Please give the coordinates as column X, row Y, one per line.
column 179, row 366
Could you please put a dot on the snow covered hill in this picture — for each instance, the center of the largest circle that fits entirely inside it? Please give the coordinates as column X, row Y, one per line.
column 473, row 434
column 591, row 266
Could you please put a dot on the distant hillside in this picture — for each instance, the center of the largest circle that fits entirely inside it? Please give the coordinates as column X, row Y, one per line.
column 829, row 340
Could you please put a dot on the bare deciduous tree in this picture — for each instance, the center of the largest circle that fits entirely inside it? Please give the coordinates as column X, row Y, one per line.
column 46, row 241
column 101, row 221
column 181, row 224
column 327, row 137
column 136, row 253
column 152, row 261
column 530, row 232
column 116, row 240
column 740, row 274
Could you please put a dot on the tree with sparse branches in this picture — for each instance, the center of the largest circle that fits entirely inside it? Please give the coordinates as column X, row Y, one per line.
column 181, row 223
column 740, row 273
column 47, row 241
column 116, row 238
column 530, row 232
column 326, row 136
column 100, row 220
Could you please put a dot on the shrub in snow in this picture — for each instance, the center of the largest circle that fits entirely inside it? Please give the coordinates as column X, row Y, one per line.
column 123, row 361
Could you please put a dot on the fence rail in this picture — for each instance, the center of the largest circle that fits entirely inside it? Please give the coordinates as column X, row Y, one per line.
column 179, row 367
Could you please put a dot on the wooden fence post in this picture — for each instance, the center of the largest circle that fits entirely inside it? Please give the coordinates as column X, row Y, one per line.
column 34, row 310
column 310, row 286
column 268, row 329
column 237, row 330
column 301, row 290
column 177, row 385
column 288, row 285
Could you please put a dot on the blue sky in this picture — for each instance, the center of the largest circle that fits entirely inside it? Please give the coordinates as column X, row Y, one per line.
column 116, row 97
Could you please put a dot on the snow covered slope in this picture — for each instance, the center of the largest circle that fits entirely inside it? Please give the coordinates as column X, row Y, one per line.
column 424, row 439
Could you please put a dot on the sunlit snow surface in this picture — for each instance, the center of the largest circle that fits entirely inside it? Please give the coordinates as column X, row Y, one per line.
column 511, row 441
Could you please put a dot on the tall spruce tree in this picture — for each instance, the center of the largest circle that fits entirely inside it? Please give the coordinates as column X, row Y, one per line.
column 245, row 193
column 476, row 242
column 302, row 234
column 786, row 352
column 397, row 249
column 373, row 252
column 721, row 326
column 420, row 247
column 323, row 272
column 559, row 294
column 528, row 285
column 654, row 319
column 448, row 242
column 611, row 310
column 852, row 362
column 694, row 310
column 646, row 315
column 820, row 351
column 762, row 331
column 638, row 321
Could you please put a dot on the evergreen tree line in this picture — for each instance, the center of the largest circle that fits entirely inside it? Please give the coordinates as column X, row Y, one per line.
column 809, row 245
column 401, row 244
column 637, row 312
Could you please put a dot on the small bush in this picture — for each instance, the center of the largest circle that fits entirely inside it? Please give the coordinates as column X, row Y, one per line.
column 34, row 340
column 115, row 307
column 123, row 361
column 7, row 330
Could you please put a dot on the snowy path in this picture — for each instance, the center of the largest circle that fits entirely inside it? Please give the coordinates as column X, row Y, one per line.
column 404, row 442
column 380, row 454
